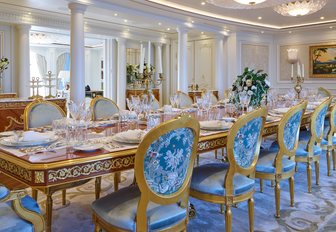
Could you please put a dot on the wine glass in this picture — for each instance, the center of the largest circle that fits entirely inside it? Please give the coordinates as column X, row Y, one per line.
column 244, row 99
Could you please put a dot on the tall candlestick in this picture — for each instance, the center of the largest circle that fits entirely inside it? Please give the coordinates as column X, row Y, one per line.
column 149, row 54
column 302, row 70
column 142, row 60
column 292, row 75
column 298, row 69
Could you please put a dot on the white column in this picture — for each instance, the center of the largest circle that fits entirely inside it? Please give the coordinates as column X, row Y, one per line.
column 232, row 59
column 158, row 60
column 121, row 80
column 219, row 65
column 110, row 69
column 182, row 63
column 166, row 90
column 24, row 61
column 77, row 58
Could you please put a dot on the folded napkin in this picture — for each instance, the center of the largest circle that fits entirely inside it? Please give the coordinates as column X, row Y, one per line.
column 130, row 135
column 215, row 124
column 30, row 136
column 280, row 110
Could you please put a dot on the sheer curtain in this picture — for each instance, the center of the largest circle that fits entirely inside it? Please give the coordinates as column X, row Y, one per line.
column 41, row 65
column 60, row 63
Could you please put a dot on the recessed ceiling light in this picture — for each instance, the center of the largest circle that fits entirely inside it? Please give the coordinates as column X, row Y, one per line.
column 192, row 21
column 331, row 27
column 168, row 29
column 125, row 20
column 115, row 14
column 290, row 32
column 85, row 22
column 29, row 13
column 202, row 32
column 259, row 17
column 159, row 24
column 202, row 3
column 262, row 32
column 321, row 17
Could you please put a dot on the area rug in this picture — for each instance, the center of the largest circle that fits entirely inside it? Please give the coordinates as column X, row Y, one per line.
column 312, row 212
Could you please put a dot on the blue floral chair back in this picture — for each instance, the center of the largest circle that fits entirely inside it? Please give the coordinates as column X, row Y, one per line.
column 103, row 108
column 243, row 145
column 289, row 128
column 317, row 122
column 164, row 164
column 41, row 113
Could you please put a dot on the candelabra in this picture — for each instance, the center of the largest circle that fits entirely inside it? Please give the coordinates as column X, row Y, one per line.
column 35, row 84
column 148, row 82
column 297, row 87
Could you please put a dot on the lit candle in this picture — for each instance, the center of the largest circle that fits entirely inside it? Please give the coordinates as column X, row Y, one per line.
column 159, row 68
column 292, row 75
column 302, row 70
column 149, row 54
column 141, row 59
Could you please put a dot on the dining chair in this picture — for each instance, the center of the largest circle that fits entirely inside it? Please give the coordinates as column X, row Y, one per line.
column 19, row 212
column 329, row 142
column 185, row 100
column 279, row 164
column 213, row 98
column 323, row 92
column 103, row 108
column 309, row 150
column 233, row 182
column 41, row 113
column 163, row 167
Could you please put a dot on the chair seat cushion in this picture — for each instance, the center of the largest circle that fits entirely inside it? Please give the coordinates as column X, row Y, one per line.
column 325, row 141
column 266, row 160
column 119, row 209
column 209, row 179
column 11, row 222
column 4, row 192
column 301, row 150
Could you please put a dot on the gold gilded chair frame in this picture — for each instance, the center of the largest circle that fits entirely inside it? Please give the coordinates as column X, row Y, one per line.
column 330, row 147
column 230, row 199
column 94, row 102
column 147, row 195
column 34, row 218
column 314, row 140
column 33, row 104
column 279, row 175
column 324, row 92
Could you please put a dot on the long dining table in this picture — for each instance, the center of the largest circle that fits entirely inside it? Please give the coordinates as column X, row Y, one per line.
column 54, row 170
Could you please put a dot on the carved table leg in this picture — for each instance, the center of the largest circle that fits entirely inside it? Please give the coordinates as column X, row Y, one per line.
column 49, row 205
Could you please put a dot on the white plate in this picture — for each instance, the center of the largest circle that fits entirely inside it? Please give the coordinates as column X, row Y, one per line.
column 280, row 110
column 120, row 140
column 10, row 142
column 271, row 118
column 220, row 126
column 6, row 133
column 129, row 136
column 89, row 147
column 228, row 119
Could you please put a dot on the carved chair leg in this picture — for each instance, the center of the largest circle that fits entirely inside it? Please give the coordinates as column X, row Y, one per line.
column 49, row 205
column 64, row 197
column 277, row 198
column 291, row 190
column 251, row 214
column 228, row 218
column 328, row 154
column 309, row 176
column 34, row 194
column 272, row 183
column 97, row 187
column 97, row 228
column 317, row 172
column 261, row 185
column 197, row 160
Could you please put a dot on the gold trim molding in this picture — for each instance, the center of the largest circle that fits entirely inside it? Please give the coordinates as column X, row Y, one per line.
column 88, row 169
column 15, row 170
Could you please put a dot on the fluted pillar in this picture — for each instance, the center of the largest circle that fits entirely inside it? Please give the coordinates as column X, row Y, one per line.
column 77, row 58
column 111, row 67
column 24, row 61
column 182, row 57
column 121, row 80
column 219, row 65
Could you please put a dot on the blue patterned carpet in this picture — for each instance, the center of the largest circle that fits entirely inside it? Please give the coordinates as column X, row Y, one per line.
column 312, row 212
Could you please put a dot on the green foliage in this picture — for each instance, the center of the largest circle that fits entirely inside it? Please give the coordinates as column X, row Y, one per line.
column 3, row 64
column 253, row 83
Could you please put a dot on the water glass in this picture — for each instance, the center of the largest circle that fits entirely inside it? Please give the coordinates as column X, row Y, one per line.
column 153, row 120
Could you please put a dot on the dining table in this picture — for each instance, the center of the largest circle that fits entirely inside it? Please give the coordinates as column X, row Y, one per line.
column 52, row 169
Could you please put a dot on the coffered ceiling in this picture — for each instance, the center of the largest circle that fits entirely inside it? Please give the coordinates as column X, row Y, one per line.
column 153, row 17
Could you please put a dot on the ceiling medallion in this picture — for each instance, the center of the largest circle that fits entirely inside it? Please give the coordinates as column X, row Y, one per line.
column 247, row 4
column 300, row 8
